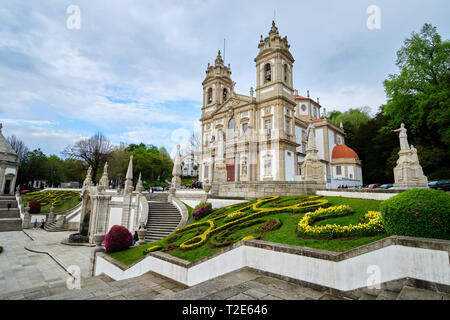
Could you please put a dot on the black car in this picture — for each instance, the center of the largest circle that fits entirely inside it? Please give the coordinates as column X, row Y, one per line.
column 441, row 184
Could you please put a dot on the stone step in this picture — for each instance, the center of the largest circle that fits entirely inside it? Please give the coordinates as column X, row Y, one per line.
column 12, row 213
column 10, row 224
column 162, row 228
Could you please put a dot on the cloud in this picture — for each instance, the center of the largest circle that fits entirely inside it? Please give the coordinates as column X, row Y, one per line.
column 48, row 140
column 134, row 69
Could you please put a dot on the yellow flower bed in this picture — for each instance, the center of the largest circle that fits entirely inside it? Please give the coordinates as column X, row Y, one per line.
column 199, row 240
column 153, row 248
column 51, row 197
column 371, row 225
column 250, row 237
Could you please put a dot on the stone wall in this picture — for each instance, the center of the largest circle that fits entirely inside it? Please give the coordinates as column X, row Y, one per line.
column 380, row 195
column 394, row 258
column 260, row 189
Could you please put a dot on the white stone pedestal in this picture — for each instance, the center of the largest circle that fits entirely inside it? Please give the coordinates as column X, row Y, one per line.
column 408, row 173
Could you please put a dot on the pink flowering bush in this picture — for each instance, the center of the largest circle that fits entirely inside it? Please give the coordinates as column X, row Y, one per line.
column 202, row 210
column 117, row 239
column 418, row 213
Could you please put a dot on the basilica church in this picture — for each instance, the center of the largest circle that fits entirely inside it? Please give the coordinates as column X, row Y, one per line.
column 262, row 136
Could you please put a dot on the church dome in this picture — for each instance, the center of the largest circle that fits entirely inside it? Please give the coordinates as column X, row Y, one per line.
column 341, row 151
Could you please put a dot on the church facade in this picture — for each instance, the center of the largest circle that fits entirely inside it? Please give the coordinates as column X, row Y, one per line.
column 262, row 136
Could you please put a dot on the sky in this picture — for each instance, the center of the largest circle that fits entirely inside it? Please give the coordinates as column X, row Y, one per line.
column 133, row 69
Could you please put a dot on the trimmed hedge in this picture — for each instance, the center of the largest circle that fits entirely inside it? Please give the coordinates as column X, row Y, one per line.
column 117, row 239
column 421, row 213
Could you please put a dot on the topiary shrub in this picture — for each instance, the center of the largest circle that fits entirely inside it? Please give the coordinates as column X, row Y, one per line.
column 35, row 206
column 418, row 213
column 202, row 210
column 117, row 239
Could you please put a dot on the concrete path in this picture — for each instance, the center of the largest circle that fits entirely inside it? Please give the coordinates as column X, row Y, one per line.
column 22, row 269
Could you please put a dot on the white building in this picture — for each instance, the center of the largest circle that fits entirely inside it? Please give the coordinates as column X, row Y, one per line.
column 190, row 164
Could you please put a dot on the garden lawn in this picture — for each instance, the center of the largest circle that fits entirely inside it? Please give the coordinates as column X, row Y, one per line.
column 285, row 235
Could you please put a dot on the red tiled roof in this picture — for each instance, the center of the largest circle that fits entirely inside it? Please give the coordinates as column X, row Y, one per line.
column 342, row 151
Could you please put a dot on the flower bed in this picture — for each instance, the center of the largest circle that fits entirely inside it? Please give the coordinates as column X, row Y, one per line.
column 371, row 224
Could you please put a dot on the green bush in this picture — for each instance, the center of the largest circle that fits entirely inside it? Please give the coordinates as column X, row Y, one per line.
column 418, row 213
column 1, row 249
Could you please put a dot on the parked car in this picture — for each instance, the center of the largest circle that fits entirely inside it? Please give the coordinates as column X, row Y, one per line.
column 372, row 186
column 386, row 186
column 440, row 184
column 158, row 188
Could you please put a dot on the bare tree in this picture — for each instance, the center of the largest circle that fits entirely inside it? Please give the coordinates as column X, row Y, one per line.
column 18, row 145
column 194, row 142
column 94, row 150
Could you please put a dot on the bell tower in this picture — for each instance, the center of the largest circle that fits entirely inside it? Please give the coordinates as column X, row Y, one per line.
column 274, row 67
column 217, row 86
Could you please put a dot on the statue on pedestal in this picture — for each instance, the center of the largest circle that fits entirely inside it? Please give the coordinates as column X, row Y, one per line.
column 408, row 173
column 312, row 168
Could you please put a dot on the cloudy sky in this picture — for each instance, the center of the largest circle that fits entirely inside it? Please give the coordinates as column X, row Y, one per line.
column 133, row 70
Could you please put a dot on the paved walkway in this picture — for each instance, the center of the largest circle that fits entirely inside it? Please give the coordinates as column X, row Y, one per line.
column 21, row 269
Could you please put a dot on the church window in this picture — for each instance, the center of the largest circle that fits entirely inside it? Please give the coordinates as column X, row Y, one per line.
column 288, row 126
column 244, row 128
column 267, row 73
column 268, row 167
column 268, row 126
column 225, row 94
column 286, row 74
column 231, row 128
column 206, row 172
column 315, row 112
column 209, row 95
column 338, row 170
column 303, row 107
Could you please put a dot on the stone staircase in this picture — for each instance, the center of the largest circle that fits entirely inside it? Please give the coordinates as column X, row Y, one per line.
column 163, row 219
column 9, row 214
column 55, row 226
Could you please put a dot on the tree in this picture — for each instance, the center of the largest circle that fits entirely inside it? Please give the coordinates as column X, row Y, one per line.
column 54, row 169
column 94, row 151
column 73, row 170
column 351, row 119
column 419, row 96
column 18, row 145
column 32, row 167
column 118, row 163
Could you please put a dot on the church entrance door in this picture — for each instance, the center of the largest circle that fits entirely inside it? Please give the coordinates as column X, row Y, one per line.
column 7, row 189
column 230, row 170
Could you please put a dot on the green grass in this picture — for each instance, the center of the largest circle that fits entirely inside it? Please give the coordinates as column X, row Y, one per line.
column 66, row 204
column 286, row 234
column 190, row 210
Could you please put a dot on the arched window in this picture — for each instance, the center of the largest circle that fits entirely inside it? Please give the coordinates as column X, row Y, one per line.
column 267, row 73
column 209, row 95
column 231, row 128
column 225, row 94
